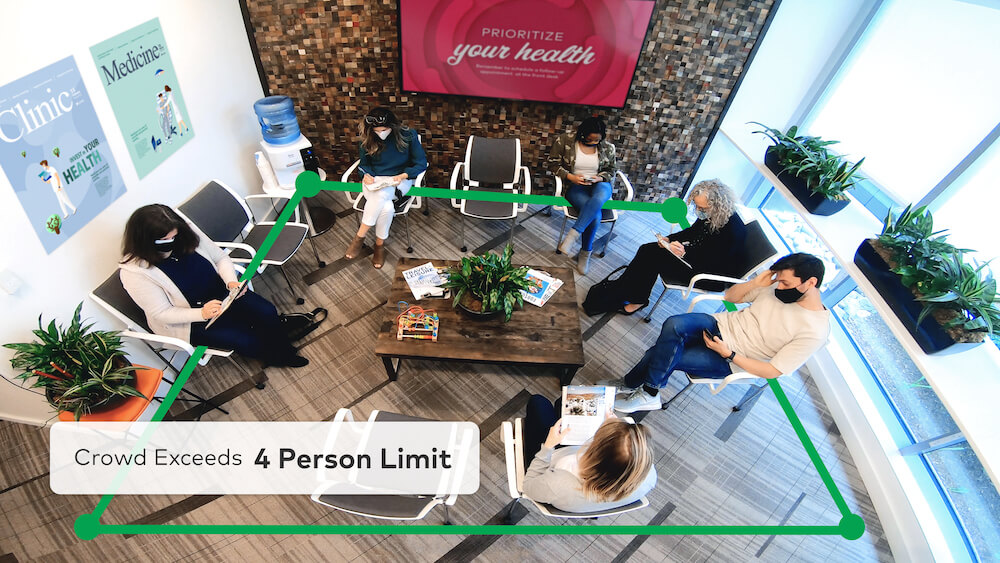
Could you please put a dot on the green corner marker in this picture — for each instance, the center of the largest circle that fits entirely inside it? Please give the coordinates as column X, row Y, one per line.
column 307, row 184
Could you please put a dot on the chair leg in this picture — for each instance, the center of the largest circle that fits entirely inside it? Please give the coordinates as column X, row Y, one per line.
column 513, row 225
column 548, row 211
column 649, row 317
column 427, row 206
column 750, row 396
column 679, row 393
column 508, row 517
column 260, row 385
column 447, row 516
column 562, row 232
column 298, row 300
column 604, row 248
column 312, row 243
column 463, row 248
column 406, row 225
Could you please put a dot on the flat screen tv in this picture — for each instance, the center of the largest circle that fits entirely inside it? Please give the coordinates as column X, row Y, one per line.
column 562, row 51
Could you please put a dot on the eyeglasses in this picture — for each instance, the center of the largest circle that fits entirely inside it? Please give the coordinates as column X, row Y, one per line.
column 375, row 119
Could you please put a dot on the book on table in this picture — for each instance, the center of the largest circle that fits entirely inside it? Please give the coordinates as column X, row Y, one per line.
column 584, row 409
column 234, row 294
column 425, row 281
column 545, row 286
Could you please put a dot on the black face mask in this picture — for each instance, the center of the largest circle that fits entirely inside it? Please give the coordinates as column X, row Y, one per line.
column 790, row 295
column 165, row 246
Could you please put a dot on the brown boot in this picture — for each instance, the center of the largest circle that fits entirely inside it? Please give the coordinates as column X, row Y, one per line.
column 355, row 247
column 378, row 257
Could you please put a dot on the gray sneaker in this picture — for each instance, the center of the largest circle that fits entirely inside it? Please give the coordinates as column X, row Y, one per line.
column 639, row 400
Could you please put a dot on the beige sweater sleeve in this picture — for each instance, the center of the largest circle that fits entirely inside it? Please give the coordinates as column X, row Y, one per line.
column 153, row 300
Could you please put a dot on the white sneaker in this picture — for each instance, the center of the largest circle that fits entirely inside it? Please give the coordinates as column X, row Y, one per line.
column 619, row 384
column 639, row 400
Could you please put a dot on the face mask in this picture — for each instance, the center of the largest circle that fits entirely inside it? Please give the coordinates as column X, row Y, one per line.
column 790, row 295
column 383, row 134
column 703, row 215
column 165, row 246
column 590, row 144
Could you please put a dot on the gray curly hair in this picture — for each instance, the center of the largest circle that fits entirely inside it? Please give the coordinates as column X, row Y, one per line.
column 721, row 199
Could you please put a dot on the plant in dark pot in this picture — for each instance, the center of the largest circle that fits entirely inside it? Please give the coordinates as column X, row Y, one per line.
column 816, row 177
column 937, row 296
column 488, row 285
column 82, row 371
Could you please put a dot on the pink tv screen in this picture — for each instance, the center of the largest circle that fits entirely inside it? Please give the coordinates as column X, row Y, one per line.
column 563, row 51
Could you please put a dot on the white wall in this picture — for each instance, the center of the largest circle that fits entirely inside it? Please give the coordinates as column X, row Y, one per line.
column 211, row 55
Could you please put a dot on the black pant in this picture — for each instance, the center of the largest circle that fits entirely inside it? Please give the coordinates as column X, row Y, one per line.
column 250, row 327
column 539, row 417
column 651, row 261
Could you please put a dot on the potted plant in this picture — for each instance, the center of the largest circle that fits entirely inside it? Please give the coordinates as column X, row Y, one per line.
column 488, row 285
column 940, row 299
column 82, row 371
column 816, row 177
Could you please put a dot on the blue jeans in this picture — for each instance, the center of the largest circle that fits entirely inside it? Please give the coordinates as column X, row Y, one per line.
column 680, row 346
column 588, row 200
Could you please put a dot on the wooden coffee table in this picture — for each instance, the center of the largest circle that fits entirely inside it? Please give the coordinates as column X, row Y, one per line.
column 546, row 336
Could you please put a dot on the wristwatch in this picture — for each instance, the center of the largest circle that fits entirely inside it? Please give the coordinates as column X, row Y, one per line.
column 730, row 357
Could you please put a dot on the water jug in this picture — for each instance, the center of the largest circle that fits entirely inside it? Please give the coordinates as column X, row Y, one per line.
column 276, row 115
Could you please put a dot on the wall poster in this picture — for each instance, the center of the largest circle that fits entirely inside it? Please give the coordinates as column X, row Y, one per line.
column 138, row 75
column 53, row 151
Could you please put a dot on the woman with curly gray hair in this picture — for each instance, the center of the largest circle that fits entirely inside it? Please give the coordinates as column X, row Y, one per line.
column 708, row 246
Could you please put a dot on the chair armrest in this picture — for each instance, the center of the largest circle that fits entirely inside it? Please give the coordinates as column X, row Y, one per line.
column 457, row 204
column 240, row 270
column 507, row 430
column 526, row 182
column 713, row 277
column 352, row 197
column 629, row 192
column 716, row 388
column 346, row 176
column 705, row 297
column 241, row 246
column 273, row 197
column 419, row 181
column 165, row 340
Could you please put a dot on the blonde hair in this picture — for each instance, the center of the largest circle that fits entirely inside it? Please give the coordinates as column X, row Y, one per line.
column 617, row 460
column 721, row 200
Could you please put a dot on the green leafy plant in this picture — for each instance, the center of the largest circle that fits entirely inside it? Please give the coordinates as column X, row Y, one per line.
column 489, row 283
column 79, row 369
column 936, row 271
column 808, row 158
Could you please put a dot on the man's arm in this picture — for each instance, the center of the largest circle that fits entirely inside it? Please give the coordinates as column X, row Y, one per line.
column 759, row 368
column 738, row 292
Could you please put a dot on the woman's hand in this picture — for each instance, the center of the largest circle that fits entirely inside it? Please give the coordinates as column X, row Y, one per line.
column 368, row 179
column 211, row 309
column 399, row 178
column 577, row 179
column 233, row 284
column 555, row 435
column 677, row 249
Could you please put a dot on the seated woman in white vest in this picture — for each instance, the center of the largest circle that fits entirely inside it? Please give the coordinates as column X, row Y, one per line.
column 179, row 278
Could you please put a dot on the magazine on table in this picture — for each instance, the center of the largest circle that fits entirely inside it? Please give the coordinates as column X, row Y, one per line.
column 584, row 409
column 379, row 183
column 234, row 293
column 545, row 286
column 425, row 281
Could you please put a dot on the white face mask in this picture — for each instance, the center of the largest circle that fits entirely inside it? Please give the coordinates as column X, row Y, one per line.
column 383, row 134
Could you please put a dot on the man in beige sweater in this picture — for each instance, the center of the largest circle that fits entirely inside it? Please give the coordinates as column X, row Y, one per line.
column 784, row 325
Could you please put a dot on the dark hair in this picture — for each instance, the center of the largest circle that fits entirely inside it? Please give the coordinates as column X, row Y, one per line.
column 151, row 223
column 591, row 125
column 371, row 142
column 802, row 265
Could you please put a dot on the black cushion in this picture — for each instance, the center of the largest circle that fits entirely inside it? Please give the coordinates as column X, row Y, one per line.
column 113, row 293
column 493, row 161
column 288, row 241
column 214, row 210
column 385, row 506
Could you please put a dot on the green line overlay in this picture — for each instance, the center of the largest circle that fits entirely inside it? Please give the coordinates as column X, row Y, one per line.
column 307, row 184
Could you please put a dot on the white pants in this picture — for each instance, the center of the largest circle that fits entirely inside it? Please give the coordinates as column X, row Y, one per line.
column 64, row 202
column 379, row 211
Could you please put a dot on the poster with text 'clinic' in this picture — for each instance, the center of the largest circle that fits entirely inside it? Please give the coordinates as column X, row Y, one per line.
column 578, row 52
column 53, row 151
column 137, row 74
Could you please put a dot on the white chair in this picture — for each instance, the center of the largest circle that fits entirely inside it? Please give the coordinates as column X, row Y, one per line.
column 227, row 220
column 757, row 253
column 513, row 442
column 607, row 215
column 491, row 165
column 357, row 202
column 387, row 506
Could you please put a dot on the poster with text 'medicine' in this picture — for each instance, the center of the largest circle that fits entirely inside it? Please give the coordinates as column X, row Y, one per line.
column 139, row 78
column 580, row 52
column 54, row 153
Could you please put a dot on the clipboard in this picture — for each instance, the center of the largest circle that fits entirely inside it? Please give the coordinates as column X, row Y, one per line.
column 233, row 294
column 660, row 238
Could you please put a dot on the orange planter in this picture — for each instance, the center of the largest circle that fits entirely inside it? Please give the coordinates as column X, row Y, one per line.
column 146, row 381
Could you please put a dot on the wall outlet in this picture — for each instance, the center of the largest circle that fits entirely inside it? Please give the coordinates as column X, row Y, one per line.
column 10, row 282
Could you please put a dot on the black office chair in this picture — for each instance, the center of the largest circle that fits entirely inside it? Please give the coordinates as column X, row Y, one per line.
column 491, row 165
column 756, row 253
column 227, row 220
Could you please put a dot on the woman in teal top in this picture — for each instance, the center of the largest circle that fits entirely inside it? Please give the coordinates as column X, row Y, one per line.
column 388, row 149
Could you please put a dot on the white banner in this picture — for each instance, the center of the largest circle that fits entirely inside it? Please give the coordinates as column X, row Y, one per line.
column 255, row 458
